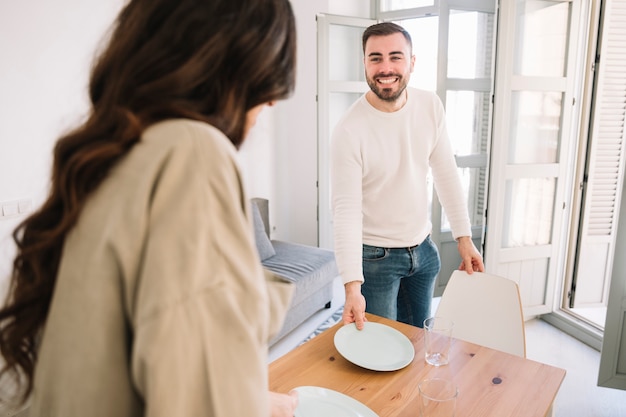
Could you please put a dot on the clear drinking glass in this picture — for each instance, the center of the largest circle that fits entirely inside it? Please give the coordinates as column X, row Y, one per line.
column 437, row 339
column 437, row 398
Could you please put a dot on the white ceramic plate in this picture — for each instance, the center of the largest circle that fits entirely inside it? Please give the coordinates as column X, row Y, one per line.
column 377, row 347
column 322, row 402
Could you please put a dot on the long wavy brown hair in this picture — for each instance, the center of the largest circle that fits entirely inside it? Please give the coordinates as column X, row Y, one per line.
column 208, row 60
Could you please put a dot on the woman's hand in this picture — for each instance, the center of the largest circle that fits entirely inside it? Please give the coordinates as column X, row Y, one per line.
column 283, row 405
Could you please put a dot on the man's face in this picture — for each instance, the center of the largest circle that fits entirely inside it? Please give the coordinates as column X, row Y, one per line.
column 388, row 65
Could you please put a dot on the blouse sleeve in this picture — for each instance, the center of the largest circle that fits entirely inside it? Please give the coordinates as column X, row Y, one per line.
column 201, row 314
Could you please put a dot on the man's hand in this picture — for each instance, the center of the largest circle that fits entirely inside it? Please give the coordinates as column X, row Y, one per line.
column 354, row 308
column 283, row 405
column 471, row 260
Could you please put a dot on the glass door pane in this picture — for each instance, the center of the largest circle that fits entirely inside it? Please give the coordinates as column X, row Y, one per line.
column 528, row 222
column 467, row 114
column 535, row 127
column 424, row 74
column 541, row 38
column 470, row 38
column 393, row 5
column 345, row 53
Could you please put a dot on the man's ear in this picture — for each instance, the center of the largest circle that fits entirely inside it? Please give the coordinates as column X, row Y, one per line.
column 412, row 62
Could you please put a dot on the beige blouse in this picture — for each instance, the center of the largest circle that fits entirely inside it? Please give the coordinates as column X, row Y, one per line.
column 161, row 307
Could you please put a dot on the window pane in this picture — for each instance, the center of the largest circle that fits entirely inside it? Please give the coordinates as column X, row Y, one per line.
column 470, row 41
column 467, row 114
column 473, row 181
column 424, row 74
column 390, row 5
column 535, row 127
column 541, row 38
column 338, row 104
column 529, row 213
column 346, row 54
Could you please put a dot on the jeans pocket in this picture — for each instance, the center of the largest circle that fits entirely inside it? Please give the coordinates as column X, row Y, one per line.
column 374, row 253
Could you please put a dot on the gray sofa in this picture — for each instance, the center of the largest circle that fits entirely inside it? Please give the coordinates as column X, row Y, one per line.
column 312, row 269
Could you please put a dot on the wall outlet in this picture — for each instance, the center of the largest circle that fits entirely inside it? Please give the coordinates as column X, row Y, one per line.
column 15, row 208
column 24, row 206
column 9, row 209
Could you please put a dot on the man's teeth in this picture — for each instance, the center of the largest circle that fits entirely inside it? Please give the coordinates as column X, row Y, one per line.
column 386, row 81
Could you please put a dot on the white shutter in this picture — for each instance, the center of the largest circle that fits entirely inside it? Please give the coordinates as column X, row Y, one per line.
column 612, row 112
column 601, row 205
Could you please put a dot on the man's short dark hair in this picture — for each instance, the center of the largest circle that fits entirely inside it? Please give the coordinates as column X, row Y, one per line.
column 386, row 29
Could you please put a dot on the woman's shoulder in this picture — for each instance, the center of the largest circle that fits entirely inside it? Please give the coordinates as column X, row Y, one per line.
column 186, row 140
column 186, row 132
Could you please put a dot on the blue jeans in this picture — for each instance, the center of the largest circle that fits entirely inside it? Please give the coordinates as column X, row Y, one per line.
column 399, row 282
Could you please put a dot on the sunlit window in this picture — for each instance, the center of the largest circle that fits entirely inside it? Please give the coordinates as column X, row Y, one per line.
column 423, row 31
column 467, row 112
column 388, row 5
column 534, row 136
column 541, row 38
column 529, row 220
column 342, row 53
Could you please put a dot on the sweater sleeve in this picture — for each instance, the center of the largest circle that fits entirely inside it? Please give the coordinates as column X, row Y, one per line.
column 201, row 311
column 346, row 188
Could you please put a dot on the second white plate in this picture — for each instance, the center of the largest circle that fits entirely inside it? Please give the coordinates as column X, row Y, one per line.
column 322, row 402
column 377, row 347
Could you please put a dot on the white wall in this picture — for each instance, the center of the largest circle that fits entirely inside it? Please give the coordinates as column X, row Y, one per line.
column 45, row 55
column 46, row 51
column 294, row 207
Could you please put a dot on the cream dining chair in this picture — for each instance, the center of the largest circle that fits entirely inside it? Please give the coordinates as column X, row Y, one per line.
column 486, row 310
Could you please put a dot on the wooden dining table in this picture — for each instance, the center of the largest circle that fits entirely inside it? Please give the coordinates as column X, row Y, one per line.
column 491, row 383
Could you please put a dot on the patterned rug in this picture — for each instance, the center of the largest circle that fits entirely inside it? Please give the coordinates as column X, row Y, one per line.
column 330, row 322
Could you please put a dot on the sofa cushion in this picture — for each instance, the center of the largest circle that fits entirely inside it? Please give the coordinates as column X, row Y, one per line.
column 263, row 244
column 309, row 267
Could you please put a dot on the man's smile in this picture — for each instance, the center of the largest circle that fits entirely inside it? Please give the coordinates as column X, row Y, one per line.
column 386, row 80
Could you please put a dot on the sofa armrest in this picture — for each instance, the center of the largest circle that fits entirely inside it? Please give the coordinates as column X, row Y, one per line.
column 263, row 206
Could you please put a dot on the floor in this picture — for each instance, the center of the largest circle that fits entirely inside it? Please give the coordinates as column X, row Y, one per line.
column 578, row 397
column 579, row 394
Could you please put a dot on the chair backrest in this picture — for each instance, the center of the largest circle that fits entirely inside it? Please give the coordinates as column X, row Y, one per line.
column 486, row 310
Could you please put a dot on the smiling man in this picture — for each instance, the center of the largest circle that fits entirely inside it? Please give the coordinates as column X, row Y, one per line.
column 388, row 76
column 382, row 153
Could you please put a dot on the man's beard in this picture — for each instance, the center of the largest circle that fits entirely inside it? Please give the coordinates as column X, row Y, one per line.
column 387, row 94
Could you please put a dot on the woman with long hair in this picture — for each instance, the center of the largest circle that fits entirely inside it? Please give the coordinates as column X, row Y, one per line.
column 137, row 288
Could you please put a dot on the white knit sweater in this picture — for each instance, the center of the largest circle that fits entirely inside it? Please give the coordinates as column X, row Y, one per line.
column 380, row 166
